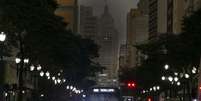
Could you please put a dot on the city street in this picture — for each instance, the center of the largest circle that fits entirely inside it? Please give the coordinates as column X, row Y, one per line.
column 100, row 50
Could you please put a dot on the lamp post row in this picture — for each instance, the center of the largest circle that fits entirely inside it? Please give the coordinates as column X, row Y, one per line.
column 177, row 76
column 18, row 60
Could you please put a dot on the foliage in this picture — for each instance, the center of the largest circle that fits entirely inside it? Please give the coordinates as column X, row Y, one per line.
column 191, row 36
column 32, row 25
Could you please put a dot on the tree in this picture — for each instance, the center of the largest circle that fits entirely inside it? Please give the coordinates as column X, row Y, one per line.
column 191, row 36
column 34, row 30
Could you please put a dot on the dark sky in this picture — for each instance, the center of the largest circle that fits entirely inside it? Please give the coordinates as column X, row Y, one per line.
column 118, row 9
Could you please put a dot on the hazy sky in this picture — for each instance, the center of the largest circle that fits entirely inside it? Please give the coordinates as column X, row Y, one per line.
column 118, row 9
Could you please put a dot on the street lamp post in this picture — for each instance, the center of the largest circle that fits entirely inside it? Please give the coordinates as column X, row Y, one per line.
column 21, row 67
column 2, row 39
column 35, row 70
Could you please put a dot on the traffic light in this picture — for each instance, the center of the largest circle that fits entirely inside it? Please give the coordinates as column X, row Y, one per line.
column 131, row 85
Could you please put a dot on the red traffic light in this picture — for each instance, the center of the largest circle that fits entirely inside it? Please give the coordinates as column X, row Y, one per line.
column 131, row 85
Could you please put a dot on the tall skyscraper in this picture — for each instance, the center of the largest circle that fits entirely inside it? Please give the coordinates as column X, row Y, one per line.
column 108, row 41
column 165, row 16
column 153, row 12
column 68, row 9
column 162, row 17
column 103, row 32
column 178, row 14
column 88, row 23
column 137, row 32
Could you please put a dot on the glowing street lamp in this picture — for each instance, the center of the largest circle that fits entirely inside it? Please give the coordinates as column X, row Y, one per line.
column 2, row 37
column 163, row 78
column 176, row 79
column 170, row 78
column 32, row 68
column 47, row 74
column 175, row 73
column 42, row 73
column 26, row 60
column 55, row 82
column 5, row 94
column 154, row 88
column 67, row 87
column 194, row 70
column 143, row 91
column 187, row 76
column 42, row 95
column 74, row 89
column 17, row 60
column 23, row 92
column 39, row 67
column 59, row 81
column 64, row 80
column 158, row 87
column 71, row 87
column 53, row 78
column 178, row 83
column 166, row 67
column 84, row 95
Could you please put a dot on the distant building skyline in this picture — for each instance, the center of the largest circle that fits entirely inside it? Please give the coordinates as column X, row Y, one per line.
column 108, row 41
column 119, row 10
column 102, row 30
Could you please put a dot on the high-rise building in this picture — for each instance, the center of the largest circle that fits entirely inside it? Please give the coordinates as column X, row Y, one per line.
column 103, row 32
column 153, row 12
column 68, row 9
column 137, row 32
column 162, row 17
column 165, row 16
column 178, row 15
column 108, row 41
column 88, row 23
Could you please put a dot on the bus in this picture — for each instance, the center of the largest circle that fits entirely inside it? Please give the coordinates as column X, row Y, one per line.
column 102, row 94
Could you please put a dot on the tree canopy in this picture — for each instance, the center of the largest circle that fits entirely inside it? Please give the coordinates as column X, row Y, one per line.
column 45, row 40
